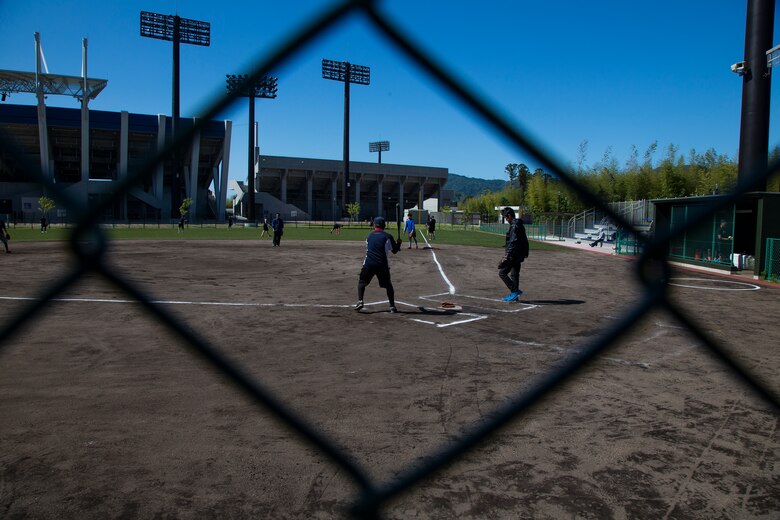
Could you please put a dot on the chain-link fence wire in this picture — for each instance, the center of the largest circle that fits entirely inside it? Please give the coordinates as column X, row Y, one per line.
column 772, row 263
column 88, row 243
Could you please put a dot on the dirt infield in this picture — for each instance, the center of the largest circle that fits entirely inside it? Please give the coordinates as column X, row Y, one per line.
column 104, row 414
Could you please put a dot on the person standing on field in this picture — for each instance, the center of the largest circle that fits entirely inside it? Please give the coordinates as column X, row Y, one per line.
column 265, row 227
column 432, row 227
column 278, row 226
column 515, row 252
column 410, row 231
column 378, row 244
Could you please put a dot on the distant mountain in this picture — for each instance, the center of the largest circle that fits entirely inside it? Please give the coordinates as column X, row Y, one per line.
column 469, row 186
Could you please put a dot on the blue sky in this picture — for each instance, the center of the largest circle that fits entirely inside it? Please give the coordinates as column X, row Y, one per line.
column 613, row 73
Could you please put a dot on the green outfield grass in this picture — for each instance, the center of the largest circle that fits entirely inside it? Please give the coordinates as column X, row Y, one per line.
column 291, row 232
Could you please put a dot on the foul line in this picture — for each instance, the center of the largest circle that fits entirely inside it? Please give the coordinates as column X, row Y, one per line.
column 750, row 286
column 441, row 270
column 175, row 302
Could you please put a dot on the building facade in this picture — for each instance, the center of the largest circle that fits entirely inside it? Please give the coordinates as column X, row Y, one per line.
column 315, row 189
column 91, row 169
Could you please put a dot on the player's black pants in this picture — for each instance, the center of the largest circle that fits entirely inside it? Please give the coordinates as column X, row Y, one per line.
column 510, row 275
column 383, row 275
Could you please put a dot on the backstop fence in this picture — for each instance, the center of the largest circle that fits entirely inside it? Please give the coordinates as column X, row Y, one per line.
column 88, row 242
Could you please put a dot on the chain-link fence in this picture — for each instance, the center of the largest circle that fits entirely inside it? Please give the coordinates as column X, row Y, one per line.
column 88, row 242
column 772, row 264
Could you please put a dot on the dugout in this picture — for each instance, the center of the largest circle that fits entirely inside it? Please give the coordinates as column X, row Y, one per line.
column 751, row 223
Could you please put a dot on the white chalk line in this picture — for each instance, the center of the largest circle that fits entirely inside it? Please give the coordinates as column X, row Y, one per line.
column 749, row 286
column 472, row 316
column 441, row 270
column 516, row 305
column 177, row 302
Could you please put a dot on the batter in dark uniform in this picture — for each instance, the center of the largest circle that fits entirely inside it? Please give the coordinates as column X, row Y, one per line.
column 378, row 244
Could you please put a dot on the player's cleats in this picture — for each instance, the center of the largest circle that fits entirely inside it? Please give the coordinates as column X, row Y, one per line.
column 358, row 305
column 512, row 297
column 393, row 309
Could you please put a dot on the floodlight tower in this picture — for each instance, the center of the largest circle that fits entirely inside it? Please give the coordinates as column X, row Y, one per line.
column 262, row 87
column 178, row 30
column 348, row 73
column 379, row 146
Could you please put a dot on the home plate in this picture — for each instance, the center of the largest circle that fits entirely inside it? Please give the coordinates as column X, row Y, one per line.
column 449, row 306
column 478, row 303
column 439, row 316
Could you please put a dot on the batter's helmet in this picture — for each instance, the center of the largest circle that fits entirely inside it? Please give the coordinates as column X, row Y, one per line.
column 379, row 222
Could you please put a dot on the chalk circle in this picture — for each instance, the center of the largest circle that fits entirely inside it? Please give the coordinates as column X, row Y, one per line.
column 714, row 285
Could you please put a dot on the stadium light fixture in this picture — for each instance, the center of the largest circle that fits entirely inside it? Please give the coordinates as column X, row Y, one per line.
column 347, row 73
column 178, row 30
column 379, row 146
column 262, row 87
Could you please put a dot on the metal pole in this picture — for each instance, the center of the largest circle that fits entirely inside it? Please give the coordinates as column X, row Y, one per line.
column 346, row 134
column 250, row 214
column 756, row 88
column 176, row 181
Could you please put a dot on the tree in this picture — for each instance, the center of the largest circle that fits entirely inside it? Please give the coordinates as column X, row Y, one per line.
column 522, row 180
column 185, row 206
column 45, row 205
column 511, row 170
column 582, row 156
column 353, row 209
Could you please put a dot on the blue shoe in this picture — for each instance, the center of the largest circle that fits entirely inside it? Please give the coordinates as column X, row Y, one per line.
column 512, row 297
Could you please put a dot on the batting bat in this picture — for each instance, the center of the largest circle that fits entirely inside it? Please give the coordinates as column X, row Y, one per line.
column 398, row 218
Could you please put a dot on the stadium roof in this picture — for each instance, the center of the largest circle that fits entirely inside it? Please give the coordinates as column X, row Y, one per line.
column 12, row 82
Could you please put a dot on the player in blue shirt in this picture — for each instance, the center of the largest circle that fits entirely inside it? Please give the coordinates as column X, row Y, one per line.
column 410, row 231
column 378, row 244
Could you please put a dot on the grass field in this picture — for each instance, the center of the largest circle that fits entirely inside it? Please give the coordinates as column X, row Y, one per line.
column 457, row 236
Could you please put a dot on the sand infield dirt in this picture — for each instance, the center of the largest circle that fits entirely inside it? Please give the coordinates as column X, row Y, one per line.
column 105, row 413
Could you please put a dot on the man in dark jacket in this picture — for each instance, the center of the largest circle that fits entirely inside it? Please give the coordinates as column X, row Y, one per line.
column 378, row 244
column 278, row 226
column 515, row 251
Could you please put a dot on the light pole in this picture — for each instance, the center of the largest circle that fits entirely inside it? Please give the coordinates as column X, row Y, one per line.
column 263, row 87
column 379, row 146
column 178, row 30
column 347, row 73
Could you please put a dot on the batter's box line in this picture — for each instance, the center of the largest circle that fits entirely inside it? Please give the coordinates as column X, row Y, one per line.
column 471, row 316
column 525, row 306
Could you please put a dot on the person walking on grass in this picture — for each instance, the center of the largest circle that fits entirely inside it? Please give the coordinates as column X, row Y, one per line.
column 515, row 252
column 378, row 244
column 265, row 228
column 410, row 231
column 432, row 227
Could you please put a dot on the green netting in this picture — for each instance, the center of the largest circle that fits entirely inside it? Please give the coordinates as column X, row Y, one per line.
column 711, row 242
column 627, row 243
column 772, row 263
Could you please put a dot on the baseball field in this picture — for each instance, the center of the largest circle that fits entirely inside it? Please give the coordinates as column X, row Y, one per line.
column 106, row 412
